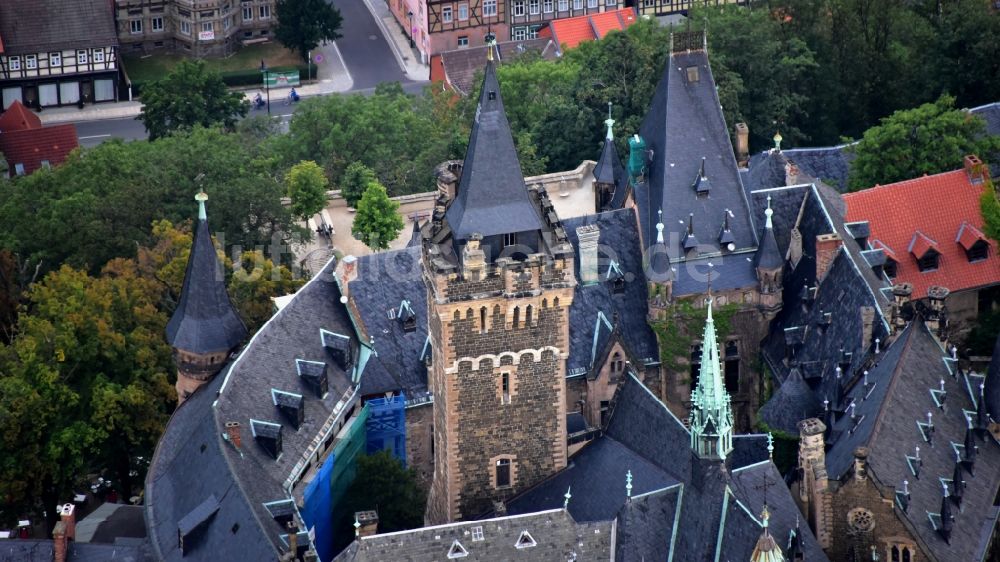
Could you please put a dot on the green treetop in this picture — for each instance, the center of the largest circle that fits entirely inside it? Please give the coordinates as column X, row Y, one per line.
column 377, row 222
column 306, row 184
column 304, row 24
column 190, row 94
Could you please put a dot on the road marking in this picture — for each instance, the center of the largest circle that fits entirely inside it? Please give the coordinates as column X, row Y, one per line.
column 94, row 137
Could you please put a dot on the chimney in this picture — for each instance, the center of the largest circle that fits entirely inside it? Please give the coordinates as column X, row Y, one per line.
column 977, row 171
column 588, row 236
column 900, row 301
column 867, row 326
column 347, row 271
column 861, row 463
column 936, row 318
column 67, row 514
column 499, row 508
column 473, row 257
column 742, row 145
column 827, row 246
column 233, row 434
column 447, row 175
column 791, row 173
column 813, row 486
column 368, row 521
column 60, row 542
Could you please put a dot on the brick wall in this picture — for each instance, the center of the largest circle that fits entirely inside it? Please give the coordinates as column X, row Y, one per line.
column 419, row 437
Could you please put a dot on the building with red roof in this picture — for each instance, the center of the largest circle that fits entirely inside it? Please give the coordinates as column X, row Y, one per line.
column 27, row 146
column 929, row 232
column 570, row 32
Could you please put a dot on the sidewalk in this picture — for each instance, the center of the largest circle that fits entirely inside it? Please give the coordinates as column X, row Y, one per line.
column 408, row 57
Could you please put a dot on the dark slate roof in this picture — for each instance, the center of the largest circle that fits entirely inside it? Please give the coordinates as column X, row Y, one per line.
column 555, row 533
column 609, row 169
column 730, row 271
column 575, row 422
column 205, row 320
column 830, row 164
column 619, row 241
column 748, row 449
column 913, row 365
column 126, row 521
column 415, row 238
column 768, row 256
column 645, row 527
column 35, row 26
column 793, row 402
column 383, row 281
column 596, row 478
column 128, row 550
column 748, row 487
column 683, row 126
column 992, row 384
column 765, row 170
column 492, row 197
column 193, row 461
column 182, row 475
column 991, row 113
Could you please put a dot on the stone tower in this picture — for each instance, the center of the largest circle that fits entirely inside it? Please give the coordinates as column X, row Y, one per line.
column 711, row 412
column 500, row 279
column 769, row 267
column 205, row 328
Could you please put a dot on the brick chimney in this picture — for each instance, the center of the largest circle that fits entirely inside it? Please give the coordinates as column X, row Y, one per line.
column 60, row 542
column 861, row 463
column 368, row 521
column 742, row 145
column 588, row 235
column 827, row 246
column 813, row 490
column 936, row 317
column 901, row 294
column 977, row 171
column 233, row 433
column 347, row 271
column 67, row 514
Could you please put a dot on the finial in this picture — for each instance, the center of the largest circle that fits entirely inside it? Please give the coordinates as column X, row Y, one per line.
column 767, row 213
column 357, row 525
column 628, row 484
column 609, row 122
column 659, row 227
column 490, row 42
column 201, row 197
column 777, row 141
column 711, row 267
column 567, row 495
column 906, row 487
column 764, row 516
column 770, row 446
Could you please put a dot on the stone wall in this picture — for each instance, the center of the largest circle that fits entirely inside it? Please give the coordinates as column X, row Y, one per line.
column 419, row 442
column 854, row 501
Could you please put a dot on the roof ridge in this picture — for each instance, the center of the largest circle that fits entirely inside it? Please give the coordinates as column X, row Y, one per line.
column 925, row 177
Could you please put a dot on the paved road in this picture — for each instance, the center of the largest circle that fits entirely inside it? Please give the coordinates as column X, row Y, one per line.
column 93, row 133
column 366, row 53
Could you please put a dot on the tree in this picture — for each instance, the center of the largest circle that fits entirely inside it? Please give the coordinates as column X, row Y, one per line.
column 929, row 139
column 256, row 280
column 377, row 222
column 356, row 179
column 84, row 386
column 303, row 24
column 306, row 184
column 190, row 94
column 384, row 485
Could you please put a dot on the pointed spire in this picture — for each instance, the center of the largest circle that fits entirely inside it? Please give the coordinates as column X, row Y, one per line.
column 768, row 256
column 609, row 169
column 947, row 520
column 690, row 241
column 492, row 198
column 628, row 484
column 766, row 550
column 205, row 321
column 711, row 412
column 659, row 226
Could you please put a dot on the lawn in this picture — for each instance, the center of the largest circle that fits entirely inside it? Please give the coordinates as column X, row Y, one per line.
column 150, row 67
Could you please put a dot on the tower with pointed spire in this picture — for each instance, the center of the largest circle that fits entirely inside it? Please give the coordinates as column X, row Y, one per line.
column 611, row 182
column 499, row 270
column 769, row 266
column 659, row 274
column 205, row 327
column 711, row 412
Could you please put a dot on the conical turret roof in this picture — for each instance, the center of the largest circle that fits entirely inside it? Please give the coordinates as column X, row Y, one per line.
column 205, row 320
column 492, row 198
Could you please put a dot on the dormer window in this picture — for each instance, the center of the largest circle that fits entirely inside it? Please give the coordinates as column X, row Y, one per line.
column 929, row 262
column 291, row 406
column 890, row 267
column 313, row 373
column 692, row 74
column 973, row 241
column 406, row 317
column 978, row 252
column 268, row 436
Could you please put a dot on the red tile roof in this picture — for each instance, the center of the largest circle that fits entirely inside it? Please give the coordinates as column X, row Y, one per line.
column 32, row 146
column 940, row 212
column 570, row 32
column 18, row 118
column 968, row 235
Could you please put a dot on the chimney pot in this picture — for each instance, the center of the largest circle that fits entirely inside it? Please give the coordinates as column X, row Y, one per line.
column 977, row 171
column 67, row 514
column 233, row 432
column 368, row 521
column 827, row 246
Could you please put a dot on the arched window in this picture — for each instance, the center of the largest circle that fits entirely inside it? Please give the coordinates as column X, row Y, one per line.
column 527, row 316
column 555, row 302
column 906, row 554
column 895, row 554
column 517, row 316
column 458, row 315
column 468, row 314
column 482, row 319
column 545, row 303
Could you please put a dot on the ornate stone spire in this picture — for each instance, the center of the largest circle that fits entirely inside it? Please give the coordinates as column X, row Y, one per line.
column 711, row 412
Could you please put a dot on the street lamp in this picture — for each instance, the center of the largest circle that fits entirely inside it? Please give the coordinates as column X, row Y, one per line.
column 409, row 16
column 267, row 85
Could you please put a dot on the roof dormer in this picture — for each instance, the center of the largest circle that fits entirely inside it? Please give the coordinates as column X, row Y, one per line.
column 925, row 250
column 973, row 241
column 702, row 186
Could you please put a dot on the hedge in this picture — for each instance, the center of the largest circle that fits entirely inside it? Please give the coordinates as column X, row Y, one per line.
column 248, row 77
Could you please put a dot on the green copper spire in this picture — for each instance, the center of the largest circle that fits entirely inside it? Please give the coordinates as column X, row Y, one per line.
column 610, row 123
column 711, row 413
column 201, row 197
